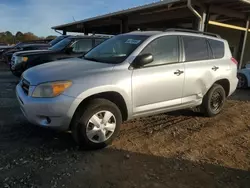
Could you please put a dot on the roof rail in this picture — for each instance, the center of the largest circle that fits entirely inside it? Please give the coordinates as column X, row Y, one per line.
column 194, row 31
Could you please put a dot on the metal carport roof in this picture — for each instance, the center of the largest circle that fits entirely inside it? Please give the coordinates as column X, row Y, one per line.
column 162, row 14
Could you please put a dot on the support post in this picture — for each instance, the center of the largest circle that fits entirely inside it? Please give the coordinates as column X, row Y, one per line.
column 64, row 32
column 84, row 30
column 244, row 44
column 124, row 26
column 196, row 13
column 202, row 22
column 207, row 18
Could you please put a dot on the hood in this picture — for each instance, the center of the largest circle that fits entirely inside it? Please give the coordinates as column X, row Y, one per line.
column 33, row 52
column 11, row 51
column 67, row 69
column 5, row 47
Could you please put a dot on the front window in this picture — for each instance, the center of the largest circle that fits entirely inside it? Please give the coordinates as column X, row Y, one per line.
column 116, row 49
column 61, row 45
column 82, row 45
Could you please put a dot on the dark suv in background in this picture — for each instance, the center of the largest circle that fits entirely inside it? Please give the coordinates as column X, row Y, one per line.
column 7, row 55
column 73, row 46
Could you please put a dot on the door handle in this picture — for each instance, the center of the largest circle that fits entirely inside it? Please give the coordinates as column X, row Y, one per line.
column 178, row 72
column 215, row 68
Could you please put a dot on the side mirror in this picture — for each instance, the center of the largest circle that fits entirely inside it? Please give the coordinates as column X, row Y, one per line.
column 69, row 50
column 142, row 60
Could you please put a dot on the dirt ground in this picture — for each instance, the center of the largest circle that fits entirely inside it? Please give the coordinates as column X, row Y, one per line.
column 174, row 150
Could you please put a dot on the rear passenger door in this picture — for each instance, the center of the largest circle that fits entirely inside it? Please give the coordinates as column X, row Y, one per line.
column 198, row 64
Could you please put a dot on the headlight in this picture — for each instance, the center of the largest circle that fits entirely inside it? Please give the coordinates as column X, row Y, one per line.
column 51, row 89
column 21, row 59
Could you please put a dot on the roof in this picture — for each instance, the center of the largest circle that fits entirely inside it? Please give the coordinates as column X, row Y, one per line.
column 89, row 36
column 160, row 14
column 121, row 12
column 146, row 33
column 177, row 32
column 36, row 44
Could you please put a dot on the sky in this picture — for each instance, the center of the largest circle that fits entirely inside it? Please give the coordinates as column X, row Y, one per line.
column 38, row 16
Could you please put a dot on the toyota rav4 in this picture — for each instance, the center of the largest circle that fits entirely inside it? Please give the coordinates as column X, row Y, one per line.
column 129, row 76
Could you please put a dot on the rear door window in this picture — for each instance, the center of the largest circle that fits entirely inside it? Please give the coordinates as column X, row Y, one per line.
column 218, row 48
column 196, row 48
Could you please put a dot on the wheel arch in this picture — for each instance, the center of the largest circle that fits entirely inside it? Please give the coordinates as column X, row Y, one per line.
column 113, row 96
column 225, row 84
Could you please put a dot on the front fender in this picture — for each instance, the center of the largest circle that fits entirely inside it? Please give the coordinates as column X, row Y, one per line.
column 98, row 90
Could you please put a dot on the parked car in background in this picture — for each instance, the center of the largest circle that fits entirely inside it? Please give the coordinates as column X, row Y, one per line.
column 129, row 76
column 8, row 54
column 2, row 44
column 44, row 43
column 28, row 47
column 4, row 49
column 74, row 46
column 19, row 45
column 244, row 77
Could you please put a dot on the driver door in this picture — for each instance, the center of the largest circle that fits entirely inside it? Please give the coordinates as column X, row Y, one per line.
column 158, row 86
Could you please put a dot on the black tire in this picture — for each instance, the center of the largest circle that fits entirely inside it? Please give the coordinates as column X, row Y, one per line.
column 243, row 82
column 208, row 108
column 82, row 117
column 17, row 74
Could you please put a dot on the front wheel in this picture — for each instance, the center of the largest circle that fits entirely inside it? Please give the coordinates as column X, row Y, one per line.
column 97, row 125
column 243, row 82
column 214, row 101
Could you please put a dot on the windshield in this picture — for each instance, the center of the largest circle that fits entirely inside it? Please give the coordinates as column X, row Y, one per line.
column 61, row 45
column 116, row 49
column 56, row 40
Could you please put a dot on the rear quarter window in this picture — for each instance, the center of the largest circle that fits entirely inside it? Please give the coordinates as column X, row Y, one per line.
column 218, row 48
column 99, row 41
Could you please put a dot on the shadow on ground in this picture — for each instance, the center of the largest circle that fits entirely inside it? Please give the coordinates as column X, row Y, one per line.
column 44, row 158
column 241, row 95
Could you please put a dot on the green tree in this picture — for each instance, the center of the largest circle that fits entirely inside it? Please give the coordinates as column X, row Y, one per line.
column 19, row 36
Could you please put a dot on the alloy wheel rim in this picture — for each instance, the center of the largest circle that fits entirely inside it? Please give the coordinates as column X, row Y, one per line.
column 216, row 101
column 101, row 126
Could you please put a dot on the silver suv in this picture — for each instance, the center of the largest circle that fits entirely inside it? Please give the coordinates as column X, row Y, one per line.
column 129, row 76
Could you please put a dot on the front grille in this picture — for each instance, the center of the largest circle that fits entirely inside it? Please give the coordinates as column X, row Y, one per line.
column 25, row 85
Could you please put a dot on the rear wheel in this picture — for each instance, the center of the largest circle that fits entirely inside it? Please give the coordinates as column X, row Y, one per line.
column 243, row 82
column 97, row 125
column 214, row 101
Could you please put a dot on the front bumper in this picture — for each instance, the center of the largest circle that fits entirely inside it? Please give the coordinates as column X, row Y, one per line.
column 46, row 112
column 18, row 67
